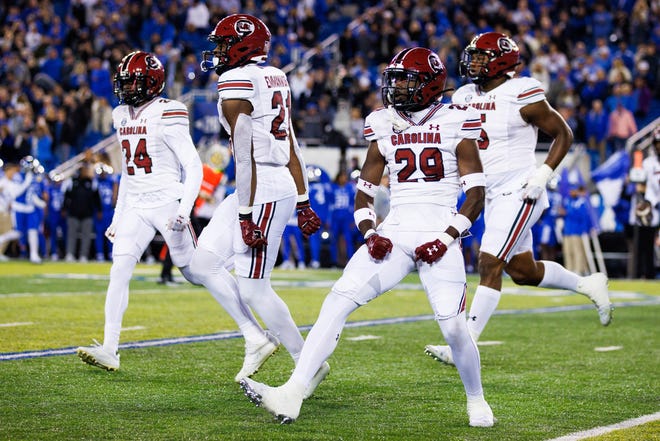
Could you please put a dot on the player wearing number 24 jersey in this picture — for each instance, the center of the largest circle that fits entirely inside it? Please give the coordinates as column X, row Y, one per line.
column 160, row 179
column 430, row 152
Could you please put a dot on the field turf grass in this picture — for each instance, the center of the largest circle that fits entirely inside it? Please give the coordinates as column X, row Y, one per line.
column 549, row 368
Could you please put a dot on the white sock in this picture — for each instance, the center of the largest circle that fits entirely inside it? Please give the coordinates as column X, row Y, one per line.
column 116, row 300
column 208, row 269
column 556, row 276
column 260, row 296
column 111, row 333
column 464, row 352
column 483, row 306
column 322, row 338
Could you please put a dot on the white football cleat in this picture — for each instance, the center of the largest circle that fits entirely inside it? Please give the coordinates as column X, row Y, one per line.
column 442, row 353
column 282, row 402
column 595, row 287
column 96, row 356
column 256, row 355
column 480, row 413
column 320, row 375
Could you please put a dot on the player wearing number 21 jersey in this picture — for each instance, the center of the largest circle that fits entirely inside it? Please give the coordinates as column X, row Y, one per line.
column 429, row 150
column 160, row 179
column 254, row 107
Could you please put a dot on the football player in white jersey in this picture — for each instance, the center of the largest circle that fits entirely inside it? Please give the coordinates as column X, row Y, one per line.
column 512, row 110
column 430, row 152
column 160, row 179
column 254, row 106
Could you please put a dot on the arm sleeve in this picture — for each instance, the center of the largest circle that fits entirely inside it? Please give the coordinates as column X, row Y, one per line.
column 242, row 144
column 298, row 153
column 178, row 138
column 121, row 201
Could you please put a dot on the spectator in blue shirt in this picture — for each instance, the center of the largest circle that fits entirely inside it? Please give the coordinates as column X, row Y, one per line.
column 576, row 224
column 596, row 131
column 341, row 217
column 320, row 194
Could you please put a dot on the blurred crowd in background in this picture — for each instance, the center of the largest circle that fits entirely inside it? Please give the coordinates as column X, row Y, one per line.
column 597, row 60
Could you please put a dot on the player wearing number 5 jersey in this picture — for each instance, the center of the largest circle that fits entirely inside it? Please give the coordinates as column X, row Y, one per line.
column 430, row 151
column 512, row 110
column 254, row 106
column 160, row 179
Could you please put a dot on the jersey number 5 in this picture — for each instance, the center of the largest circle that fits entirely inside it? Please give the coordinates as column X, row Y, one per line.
column 140, row 157
column 430, row 164
column 483, row 142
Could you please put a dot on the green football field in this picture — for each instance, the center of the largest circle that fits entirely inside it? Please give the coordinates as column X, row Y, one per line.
column 549, row 368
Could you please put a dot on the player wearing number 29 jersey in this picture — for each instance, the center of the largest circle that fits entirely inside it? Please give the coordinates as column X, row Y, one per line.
column 430, row 150
column 160, row 179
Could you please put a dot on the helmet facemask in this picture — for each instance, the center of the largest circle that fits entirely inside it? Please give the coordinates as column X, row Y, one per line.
column 474, row 65
column 400, row 89
column 130, row 88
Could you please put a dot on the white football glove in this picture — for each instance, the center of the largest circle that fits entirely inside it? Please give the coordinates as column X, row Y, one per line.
column 536, row 183
column 178, row 223
column 110, row 232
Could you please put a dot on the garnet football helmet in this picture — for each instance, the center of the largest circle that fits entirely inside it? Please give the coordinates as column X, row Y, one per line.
column 139, row 78
column 240, row 39
column 488, row 56
column 414, row 79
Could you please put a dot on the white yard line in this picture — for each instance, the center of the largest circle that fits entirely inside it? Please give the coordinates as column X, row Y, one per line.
column 11, row 325
column 597, row 431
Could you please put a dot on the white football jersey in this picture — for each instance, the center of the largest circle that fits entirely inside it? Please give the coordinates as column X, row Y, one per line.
column 421, row 159
column 507, row 142
column 155, row 142
column 267, row 89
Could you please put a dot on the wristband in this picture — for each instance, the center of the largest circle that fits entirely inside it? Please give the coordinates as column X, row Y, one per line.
column 544, row 172
column 370, row 232
column 362, row 214
column 473, row 180
column 302, row 198
column 244, row 213
column 446, row 238
column 367, row 187
column 461, row 223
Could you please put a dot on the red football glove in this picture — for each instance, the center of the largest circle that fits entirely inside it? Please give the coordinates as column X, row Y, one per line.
column 378, row 246
column 430, row 251
column 252, row 235
column 308, row 221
